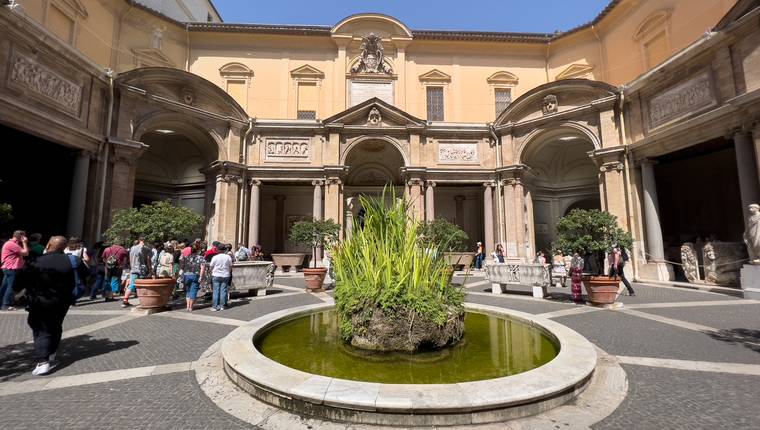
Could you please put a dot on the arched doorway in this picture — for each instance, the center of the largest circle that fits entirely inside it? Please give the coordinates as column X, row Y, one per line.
column 172, row 167
column 561, row 176
column 372, row 164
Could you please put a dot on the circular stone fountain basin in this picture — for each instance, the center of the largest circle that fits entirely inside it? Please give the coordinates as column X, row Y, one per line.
column 454, row 397
column 492, row 347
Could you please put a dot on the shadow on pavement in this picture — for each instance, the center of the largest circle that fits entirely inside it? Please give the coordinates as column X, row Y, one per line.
column 18, row 359
column 739, row 336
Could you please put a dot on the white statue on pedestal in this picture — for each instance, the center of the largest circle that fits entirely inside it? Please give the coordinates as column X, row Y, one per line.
column 752, row 234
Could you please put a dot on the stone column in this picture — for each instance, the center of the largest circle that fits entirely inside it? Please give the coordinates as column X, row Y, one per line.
column 430, row 201
column 657, row 268
column 747, row 171
column 124, row 157
column 333, row 204
column 279, row 223
column 415, row 198
column 510, row 229
column 255, row 211
column 488, row 216
column 459, row 205
column 519, row 205
column 78, row 197
column 317, row 201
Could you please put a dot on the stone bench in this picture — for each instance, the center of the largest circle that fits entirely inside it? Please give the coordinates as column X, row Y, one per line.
column 533, row 274
column 253, row 276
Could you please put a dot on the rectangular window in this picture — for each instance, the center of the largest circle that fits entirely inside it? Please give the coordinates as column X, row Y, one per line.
column 503, row 99
column 435, row 103
column 307, row 100
column 236, row 89
column 307, row 114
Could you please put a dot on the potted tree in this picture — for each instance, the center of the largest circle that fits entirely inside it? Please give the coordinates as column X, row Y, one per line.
column 314, row 234
column 592, row 233
column 451, row 239
column 159, row 221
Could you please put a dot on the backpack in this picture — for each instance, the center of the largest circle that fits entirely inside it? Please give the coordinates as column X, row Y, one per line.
column 112, row 263
column 78, row 289
column 624, row 255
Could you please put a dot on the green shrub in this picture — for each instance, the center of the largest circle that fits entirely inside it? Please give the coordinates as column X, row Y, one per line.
column 386, row 264
column 314, row 234
column 6, row 213
column 590, row 232
column 157, row 222
column 448, row 236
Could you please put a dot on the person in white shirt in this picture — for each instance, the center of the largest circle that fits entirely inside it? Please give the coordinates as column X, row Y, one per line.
column 221, row 275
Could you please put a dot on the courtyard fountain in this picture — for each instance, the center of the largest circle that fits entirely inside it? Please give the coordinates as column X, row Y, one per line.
column 401, row 347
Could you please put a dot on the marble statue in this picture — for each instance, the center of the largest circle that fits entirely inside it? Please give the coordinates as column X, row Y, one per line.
column 690, row 262
column 752, row 234
column 723, row 260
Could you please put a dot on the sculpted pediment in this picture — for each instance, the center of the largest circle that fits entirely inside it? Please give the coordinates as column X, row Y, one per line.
column 435, row 75
column 575, row 71
column 374, row 113
column 306, row 72
column 151, row 57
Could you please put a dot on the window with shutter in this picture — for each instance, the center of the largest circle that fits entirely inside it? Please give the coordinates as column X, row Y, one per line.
column 503, row 99
column 435, row 103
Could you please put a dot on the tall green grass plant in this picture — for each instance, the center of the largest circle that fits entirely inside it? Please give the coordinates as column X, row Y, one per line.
column 386, row 264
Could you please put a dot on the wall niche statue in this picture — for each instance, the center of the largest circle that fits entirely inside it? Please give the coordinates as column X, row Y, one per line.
column 690, row 262
column 549, row 104
column 752, row 234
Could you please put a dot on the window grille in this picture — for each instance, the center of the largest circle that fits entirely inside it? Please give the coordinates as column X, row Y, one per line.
column 435, row 103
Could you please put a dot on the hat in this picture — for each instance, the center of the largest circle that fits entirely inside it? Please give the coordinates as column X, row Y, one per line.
column 480, row 243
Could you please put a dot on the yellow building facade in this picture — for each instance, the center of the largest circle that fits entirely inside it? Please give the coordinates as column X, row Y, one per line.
column 258, row 126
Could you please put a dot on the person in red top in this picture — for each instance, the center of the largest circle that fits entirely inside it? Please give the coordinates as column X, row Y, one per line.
column 114, row 260
column 212, row 251
column 12, row 257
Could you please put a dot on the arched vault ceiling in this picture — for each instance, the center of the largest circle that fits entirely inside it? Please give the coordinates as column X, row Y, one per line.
column 557, row 163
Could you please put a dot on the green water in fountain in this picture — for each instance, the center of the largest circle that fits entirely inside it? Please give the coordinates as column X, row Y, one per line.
column 492, row 347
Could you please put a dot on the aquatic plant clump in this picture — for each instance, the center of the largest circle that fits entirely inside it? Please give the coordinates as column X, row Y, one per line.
column 393, row 291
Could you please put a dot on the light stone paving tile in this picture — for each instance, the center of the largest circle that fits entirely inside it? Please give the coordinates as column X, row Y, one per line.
column 670, row 321
column 572, row 311
column 692, row 304
column 100, row 325
column 697, row 366
column 201, row 318
column 51, row 383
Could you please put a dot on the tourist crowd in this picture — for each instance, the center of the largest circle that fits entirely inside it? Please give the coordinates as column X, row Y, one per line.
column 53, row 277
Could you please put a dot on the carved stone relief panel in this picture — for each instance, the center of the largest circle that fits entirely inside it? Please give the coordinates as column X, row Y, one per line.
column 288, row 149
column 458, row 152
column 681, row 100
column 28, row 74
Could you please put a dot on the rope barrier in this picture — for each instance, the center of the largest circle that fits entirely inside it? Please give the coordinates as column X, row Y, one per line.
column 702, row 265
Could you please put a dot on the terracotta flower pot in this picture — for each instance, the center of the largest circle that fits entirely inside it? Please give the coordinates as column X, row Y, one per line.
column 314, row 278
column 154, row 293
column 601, row 290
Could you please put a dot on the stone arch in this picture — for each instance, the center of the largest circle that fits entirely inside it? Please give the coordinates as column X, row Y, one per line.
column 374, row 162
column 395, row 27
column 537, row 136
column 209, row 137
column 395, row 143
column 528, row 106
column 199, row 96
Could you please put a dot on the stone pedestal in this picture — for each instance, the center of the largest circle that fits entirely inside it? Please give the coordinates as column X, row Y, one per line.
column 750, row 281
column 655, row 271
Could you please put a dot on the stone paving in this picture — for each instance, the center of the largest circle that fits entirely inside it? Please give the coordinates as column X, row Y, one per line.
column 124, row 371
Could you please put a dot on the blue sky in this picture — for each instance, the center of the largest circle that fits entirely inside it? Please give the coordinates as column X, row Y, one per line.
column 542, row 16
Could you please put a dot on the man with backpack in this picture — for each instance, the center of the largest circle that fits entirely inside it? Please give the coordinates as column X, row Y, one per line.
column 618, row 258
column 114, row 259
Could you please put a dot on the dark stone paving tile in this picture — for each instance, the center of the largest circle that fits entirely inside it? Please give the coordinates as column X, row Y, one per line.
column 250, row 308
column 295, row 281
column 621, row 334
column 677, row 399
column 14, row 329
column 171, row 401
column 653, row 294
column 144, row 341
column 722, row 317
column 533, row 307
